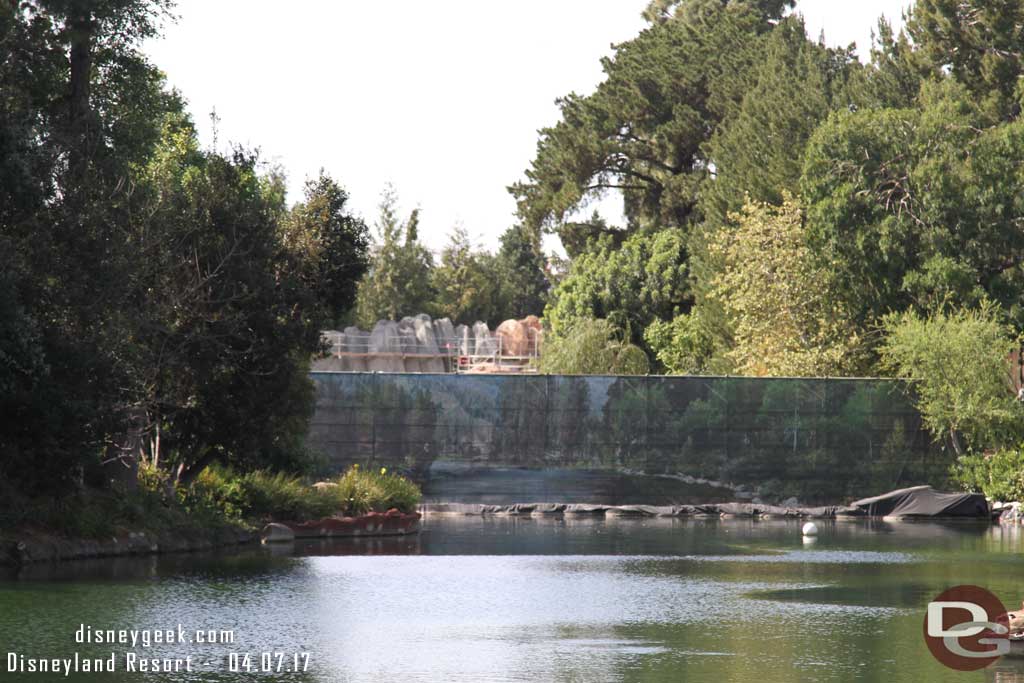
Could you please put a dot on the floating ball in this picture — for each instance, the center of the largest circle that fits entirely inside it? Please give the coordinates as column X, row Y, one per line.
column 810, row 529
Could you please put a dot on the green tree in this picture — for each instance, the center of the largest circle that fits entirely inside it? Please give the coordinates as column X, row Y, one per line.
column 228, row 314
column 80, row 109
column 331, row 244
column 786, row 318
column 466, row 282
column 686, row 345
column 150, row 305
column 520, row 268
column 758, row 153
column 896, row 72
column 959, row 363
column 398, row 282
column 642, row 131
column 592, row 347
column 914, row 206
column 979, row 42
column 631, row 285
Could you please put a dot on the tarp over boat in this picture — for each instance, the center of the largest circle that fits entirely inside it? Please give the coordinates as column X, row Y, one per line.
column 924, row 501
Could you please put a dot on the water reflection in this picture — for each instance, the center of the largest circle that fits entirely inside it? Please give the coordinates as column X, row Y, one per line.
column 544, row 598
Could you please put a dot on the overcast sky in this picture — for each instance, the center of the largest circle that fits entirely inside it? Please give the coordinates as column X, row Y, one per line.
column 443, row 99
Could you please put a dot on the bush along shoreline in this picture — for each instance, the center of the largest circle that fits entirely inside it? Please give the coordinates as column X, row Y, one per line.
column 220, row 508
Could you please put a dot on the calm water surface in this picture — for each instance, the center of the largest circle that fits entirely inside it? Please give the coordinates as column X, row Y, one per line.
column 536, row 599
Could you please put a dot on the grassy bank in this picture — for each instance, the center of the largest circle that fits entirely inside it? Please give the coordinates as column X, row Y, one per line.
column 259, row 497
column 221, row 499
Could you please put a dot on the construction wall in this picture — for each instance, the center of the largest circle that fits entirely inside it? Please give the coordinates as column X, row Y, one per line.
column 818, row 440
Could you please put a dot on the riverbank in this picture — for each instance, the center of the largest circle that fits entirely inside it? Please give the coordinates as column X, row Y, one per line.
column 34, row 547
column 222, row 508
column 98, row 523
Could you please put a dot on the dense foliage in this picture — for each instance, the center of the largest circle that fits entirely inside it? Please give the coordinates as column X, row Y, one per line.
column 905, row 170
column 592, row 347
column 793, row 210
column 160, row 302
column 260, row 496
column 465, row 284
column 789, row 210
column 789, row 319
column 959, row 363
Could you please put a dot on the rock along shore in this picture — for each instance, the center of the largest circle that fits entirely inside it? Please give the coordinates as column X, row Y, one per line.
column 708, row 510
column 390, row 523
column 40, row 547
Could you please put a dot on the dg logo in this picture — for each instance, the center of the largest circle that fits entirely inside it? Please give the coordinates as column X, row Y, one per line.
column 967, row 628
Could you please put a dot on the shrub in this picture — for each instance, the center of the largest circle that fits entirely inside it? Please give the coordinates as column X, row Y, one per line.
column 593, row 347
column 959, row 365
column 262, row 496
column 258, row 496
column 363, row 490
column 1000, row 475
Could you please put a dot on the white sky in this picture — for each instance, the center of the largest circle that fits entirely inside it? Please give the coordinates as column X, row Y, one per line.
column 443, row 99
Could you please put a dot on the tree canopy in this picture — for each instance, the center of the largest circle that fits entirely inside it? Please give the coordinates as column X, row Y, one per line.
column 159, row 302
column 903, row 173
column 959, row 363
column 398, row 282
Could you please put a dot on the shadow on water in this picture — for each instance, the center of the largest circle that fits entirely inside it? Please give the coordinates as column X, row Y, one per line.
column 459, row 482
column 235, row 562
column 904, row 595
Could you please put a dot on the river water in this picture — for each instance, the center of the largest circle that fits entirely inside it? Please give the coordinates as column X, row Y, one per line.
column 529, row 599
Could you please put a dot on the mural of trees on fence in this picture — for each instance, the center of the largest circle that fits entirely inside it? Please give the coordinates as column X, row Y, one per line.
column 817, row 439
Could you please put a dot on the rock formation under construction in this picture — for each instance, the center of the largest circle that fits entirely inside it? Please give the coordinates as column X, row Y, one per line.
column 420, row 344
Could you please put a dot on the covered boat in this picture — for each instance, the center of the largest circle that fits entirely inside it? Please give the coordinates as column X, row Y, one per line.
column 924, row 502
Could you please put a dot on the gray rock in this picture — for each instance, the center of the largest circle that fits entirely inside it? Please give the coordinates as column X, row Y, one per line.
column 385, row 339
column 425, row 338
column 426, row 344
column 486, row 344
column 277, row 533
column 445, row 333
column 356, row 341
column 464, row 337
column 407, row 333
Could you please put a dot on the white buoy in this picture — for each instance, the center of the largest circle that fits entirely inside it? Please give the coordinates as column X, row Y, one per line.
column 810, row 529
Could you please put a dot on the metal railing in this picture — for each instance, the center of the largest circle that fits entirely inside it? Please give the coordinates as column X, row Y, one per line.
column 462, row 354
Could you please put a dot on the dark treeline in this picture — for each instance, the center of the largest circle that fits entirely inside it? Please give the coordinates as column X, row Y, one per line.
column 158, row 300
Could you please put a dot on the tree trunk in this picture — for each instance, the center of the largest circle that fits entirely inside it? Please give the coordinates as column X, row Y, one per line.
column 954, row 438
column 81, row 33
column 186, row 474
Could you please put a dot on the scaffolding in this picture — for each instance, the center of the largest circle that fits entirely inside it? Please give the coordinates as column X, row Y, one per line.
column 492, row 355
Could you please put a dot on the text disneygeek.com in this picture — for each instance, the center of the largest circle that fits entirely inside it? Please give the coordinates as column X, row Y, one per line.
column 128, row 661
